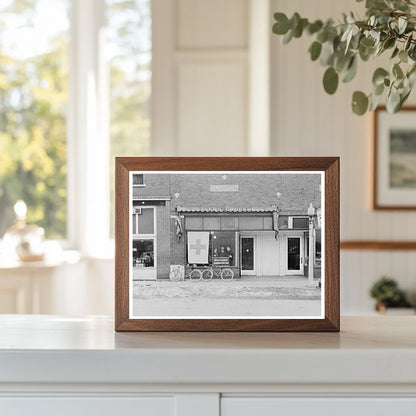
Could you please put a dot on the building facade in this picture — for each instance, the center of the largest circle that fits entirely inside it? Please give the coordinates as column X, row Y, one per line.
column 256, row 224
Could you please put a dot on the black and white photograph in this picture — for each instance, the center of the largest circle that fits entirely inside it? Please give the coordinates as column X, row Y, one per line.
column 226, row 244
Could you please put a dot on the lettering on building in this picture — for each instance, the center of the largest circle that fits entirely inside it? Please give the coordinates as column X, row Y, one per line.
column 223, row 188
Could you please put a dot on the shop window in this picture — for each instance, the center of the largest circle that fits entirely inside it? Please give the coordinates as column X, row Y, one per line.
column 143, row 220
column 143, row 253
column 223, row 248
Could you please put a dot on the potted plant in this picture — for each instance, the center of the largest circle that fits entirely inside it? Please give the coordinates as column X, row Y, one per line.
column 387, row 294
column 389, row 27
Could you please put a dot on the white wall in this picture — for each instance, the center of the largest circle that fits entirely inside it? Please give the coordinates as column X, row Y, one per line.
column 201, row 59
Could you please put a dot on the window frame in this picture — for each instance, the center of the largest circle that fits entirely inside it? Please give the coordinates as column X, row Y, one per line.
column 139, row 185
column 290, row 222
column 87, row 131
column 138, row 234
column 153, row 236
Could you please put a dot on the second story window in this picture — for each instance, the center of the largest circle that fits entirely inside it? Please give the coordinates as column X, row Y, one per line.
column 138, row 179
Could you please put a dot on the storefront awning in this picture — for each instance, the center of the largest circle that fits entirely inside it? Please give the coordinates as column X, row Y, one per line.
column 244, row 210
column 267, row 218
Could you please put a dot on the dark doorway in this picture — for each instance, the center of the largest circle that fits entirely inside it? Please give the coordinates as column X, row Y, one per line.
column 247, row 253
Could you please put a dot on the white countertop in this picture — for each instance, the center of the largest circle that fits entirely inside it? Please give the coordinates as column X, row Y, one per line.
column 52, row 349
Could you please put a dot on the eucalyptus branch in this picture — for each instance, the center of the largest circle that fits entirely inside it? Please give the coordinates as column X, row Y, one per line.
column 388, row 25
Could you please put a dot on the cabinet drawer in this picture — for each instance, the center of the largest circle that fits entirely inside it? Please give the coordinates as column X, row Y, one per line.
column 275, row 406
column 87, row 406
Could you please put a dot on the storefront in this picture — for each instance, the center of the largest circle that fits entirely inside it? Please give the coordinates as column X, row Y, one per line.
column 191, row 225
column 248, row 240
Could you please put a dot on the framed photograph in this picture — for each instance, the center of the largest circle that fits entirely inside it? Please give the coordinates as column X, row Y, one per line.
column 227, row 244
column 394, row 180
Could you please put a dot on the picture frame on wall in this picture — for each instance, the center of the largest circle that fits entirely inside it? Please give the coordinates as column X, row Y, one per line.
column 227, row 244
column 394, row 152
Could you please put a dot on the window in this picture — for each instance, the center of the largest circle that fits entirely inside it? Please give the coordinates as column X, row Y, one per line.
column 138, row 179
column 143, row 253
column 144, row 225
column 33, row 110
column 59, row 134
column 143, row 221
column 223, row 248
column 129, row 57
column 298, row 223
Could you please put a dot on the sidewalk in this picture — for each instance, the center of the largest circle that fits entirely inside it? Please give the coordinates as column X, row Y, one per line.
column 249, row 296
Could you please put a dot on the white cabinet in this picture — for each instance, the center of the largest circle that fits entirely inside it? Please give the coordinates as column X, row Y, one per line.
column 272, row 406
column 88, row 406
column 51, row 365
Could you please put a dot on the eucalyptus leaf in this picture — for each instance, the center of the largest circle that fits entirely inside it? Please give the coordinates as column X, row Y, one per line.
column 393, row 101
column 367, row 42
column 350, row 73
column 314, row 27
column 395, row 52
column 389, row 43
column 402, row 22
column 397, row 71
column 298, row 30
column 288, row 37
column 374, row 101
column 408, row 42
column 359, row 103
column 315, row 50
column 327, row 53
column 376, row 4
column 379, row 75
column 378, row 89
column 404, row 96
column 403, row 56
column 366, row 53
column 330, row 80
column 281, row 26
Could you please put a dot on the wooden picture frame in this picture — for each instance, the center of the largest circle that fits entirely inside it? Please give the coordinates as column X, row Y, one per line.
column 394, row 185
column 298, row 181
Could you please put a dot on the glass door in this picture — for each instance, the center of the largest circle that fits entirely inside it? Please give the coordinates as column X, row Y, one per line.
column 247, row 256
column 295, row 255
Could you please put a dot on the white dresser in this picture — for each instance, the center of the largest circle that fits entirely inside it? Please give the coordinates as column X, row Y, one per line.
column 52, row 365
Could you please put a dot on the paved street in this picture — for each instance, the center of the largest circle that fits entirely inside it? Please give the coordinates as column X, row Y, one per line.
column 250, row 296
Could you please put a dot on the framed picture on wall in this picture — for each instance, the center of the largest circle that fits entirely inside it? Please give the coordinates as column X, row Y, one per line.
column 394, row 178
column 227, row 244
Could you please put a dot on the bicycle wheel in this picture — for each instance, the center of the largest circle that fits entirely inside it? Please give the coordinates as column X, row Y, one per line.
column 175, row 275
column 195, row 275
column 227, row 274
column 207, row 275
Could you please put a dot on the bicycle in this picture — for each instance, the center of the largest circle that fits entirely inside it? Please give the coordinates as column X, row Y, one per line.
column 225, row 273
column 176, row 275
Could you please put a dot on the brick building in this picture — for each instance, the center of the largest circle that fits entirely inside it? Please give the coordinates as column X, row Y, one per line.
column 255, row 224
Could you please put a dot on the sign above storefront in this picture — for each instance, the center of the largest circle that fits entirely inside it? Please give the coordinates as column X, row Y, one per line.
column 223, row 188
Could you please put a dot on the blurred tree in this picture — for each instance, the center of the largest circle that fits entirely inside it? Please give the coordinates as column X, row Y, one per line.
column 33, row 97
column 129, row 45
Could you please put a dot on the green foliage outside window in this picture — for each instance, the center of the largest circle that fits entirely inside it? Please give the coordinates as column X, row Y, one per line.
column 34, row 103
column 33, row 99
